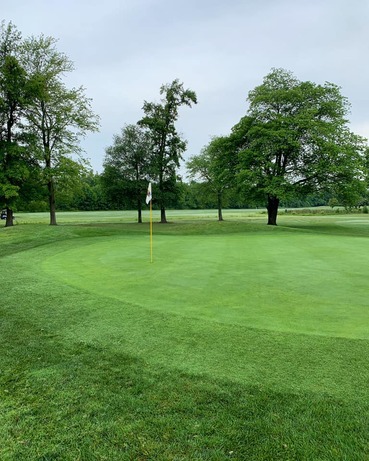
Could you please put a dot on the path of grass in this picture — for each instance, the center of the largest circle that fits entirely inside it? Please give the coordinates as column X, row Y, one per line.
column 88, row 376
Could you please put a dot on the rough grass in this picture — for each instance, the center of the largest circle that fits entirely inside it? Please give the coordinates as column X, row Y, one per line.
column 88, row 376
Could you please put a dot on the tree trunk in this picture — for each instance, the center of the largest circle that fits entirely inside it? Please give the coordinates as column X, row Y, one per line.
column 139, row 214
column 52, row 209
column 139, row 211
column 163, row 218
column 273, row 204
column 220, row 214
column 9, row 218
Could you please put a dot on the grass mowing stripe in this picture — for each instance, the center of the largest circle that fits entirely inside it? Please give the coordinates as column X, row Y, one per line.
column 80, row 401
column 87, row 377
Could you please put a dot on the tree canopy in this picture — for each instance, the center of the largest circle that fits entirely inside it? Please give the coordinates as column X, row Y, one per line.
column 295, row 139
column 126, row 167
column 293, row 144
column 215, row 167
column 167, row 144
column 59, row 116
column 15, row 96
column 41, row 120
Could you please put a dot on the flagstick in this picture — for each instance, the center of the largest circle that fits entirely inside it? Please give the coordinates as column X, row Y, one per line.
column 151, row 231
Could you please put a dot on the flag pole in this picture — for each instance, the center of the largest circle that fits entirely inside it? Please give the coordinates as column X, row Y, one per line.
column 151, row 231
column 149, row 200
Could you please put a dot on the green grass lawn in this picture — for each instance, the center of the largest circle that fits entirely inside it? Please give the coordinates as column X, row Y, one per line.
column 240, row 341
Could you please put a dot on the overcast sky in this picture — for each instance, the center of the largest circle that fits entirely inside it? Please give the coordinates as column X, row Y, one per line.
column 124, row 50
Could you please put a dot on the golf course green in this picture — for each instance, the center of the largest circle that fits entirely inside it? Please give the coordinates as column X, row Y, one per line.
column 239, row 341
column 292, row 282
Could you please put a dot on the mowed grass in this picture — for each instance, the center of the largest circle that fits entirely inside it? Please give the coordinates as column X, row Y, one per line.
column 241, row 341
column 290, row 282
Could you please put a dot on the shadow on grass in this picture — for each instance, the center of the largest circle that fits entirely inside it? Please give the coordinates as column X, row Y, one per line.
column 81, row 401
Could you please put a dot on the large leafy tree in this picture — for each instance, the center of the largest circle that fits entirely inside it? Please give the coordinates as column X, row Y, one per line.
column 214, row 166
column 15, row 95
column 167, row 144
column 127, row 166
column 59, row 116
column 295, row 140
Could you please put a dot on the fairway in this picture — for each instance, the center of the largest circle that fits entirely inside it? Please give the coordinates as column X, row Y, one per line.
column 240, row 341
column 292, row 282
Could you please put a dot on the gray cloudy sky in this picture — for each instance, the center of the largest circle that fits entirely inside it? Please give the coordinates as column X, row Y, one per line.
column 124, row 50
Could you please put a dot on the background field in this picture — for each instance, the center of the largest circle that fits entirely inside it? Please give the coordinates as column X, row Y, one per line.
column 241, row 340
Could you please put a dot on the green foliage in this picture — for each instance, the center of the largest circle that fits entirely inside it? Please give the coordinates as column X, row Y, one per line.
column 195, row 196
column 14, row 98
column 59, row 116
column 167, row 144
column 127, row 168
column 295, row 140
column 215, row 166
column 41, row 120
column 92, row 194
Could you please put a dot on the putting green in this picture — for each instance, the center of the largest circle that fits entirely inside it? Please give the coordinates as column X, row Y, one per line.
column 315, row 284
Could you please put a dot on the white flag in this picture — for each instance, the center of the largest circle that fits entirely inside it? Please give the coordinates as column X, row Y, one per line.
column 149, row 194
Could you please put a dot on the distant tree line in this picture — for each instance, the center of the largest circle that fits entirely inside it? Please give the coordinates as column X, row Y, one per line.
column 91, row 193
column 293, row 147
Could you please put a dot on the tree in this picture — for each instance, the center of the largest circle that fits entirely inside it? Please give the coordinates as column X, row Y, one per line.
column 59, row 116
column 214, row 167
column 167, row 144
column 91, row 195
column 68, row 177
column 126, row 165
column 14, row 97
column 295, row 140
